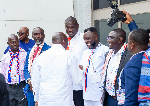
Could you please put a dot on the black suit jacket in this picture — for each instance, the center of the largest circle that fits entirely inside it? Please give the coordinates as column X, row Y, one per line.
column 4, row 94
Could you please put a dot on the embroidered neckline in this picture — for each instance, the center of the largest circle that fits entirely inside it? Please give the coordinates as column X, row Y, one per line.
column 69, row 39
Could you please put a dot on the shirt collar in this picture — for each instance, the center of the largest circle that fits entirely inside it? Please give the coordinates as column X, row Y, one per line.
column 119, row 50
column 136, row 54
column 76, row 36
column 57, row 46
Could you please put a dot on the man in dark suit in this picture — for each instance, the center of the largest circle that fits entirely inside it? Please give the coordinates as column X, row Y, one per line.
column 137, row 45
column 116, row 59
column 39, row 47
column 4, row 94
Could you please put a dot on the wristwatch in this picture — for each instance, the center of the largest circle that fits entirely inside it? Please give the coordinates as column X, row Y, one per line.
column 130, row 21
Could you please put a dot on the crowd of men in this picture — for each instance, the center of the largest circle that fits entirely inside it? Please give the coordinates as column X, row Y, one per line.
column 77, row 70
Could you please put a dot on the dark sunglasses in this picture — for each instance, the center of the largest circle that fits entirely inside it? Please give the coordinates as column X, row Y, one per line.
column 20, row 33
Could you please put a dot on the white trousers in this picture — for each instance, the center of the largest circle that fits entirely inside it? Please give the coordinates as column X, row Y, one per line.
column 92, row 103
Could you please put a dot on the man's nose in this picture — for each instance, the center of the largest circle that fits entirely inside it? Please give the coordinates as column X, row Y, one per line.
column 108, row 40
column 15, row 43
column 38, row 35
column 70, row 29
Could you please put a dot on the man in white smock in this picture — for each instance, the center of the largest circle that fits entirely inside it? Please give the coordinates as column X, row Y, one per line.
column 54, row 72
column 92, row 63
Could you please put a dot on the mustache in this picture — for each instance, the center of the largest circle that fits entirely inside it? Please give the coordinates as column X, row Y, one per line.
column 38, row 42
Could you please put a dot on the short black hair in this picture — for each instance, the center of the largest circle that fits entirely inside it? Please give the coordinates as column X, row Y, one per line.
column 71, row 19
column 121, row 33
column 140, row 36
column 91, row 29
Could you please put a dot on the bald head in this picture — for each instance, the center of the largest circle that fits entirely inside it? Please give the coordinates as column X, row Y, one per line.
column 13, row 42
column 60, row 38
column 25, row 29
column 23, row 34
column 12, row 36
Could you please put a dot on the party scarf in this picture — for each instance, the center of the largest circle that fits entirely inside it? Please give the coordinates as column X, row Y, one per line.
column 31, row 56
column 10, row 64
column 115, row 70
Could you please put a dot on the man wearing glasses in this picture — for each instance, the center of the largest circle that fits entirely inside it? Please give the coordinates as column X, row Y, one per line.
column 116, row 59
column 24, row 42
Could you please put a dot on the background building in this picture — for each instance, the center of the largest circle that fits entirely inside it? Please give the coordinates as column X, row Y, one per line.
column 101, row 11
column 51, row 14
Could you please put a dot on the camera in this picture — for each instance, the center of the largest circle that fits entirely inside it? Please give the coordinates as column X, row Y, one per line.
column 116, row 15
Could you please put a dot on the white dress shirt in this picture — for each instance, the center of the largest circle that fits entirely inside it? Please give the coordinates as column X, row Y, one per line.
column 77, row 50
column 111, row 66
column 52, row 75
column 92, row 91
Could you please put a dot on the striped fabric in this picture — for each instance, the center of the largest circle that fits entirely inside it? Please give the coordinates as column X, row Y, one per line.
column 144, row 84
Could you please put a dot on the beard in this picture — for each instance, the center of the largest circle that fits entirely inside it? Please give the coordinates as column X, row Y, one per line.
column 38, row 42
column 92, row 45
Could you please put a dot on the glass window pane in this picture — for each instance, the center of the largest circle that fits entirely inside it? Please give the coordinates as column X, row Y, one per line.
column 130, row 1
column 142, row 21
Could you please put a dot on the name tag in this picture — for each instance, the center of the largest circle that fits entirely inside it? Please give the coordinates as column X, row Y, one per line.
column 120, row 96
column 95, row 78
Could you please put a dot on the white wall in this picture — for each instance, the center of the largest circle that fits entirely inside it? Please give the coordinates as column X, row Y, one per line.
column 47, row 14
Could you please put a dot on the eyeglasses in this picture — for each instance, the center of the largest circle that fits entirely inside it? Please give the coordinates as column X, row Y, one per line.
column 20, row 33
column 110, row 37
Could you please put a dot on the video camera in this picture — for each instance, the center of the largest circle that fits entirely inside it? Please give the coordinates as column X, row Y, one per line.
column 116, row 15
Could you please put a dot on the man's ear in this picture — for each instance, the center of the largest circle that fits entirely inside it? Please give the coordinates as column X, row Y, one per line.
column 96, row 37
column 77, row 25
column 120, row 39
column 8, row 43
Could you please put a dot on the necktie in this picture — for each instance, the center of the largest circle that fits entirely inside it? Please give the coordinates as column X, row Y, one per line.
column 36, row 51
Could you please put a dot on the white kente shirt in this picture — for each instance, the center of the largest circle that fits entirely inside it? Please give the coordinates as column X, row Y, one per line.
column 77, row 47
column 53, row 74
column 92, row 91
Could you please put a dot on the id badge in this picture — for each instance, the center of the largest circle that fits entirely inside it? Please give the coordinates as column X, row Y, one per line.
column 14, row 78
column 120, row 96
column 95, row 78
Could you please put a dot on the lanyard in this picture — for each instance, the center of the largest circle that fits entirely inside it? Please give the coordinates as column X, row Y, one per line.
column 90, row 61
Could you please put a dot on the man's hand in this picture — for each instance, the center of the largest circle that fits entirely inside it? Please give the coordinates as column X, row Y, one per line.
column 29, row 82
column 81, row 67
column 31, row 87
column 128, row 16
column 36, row 103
